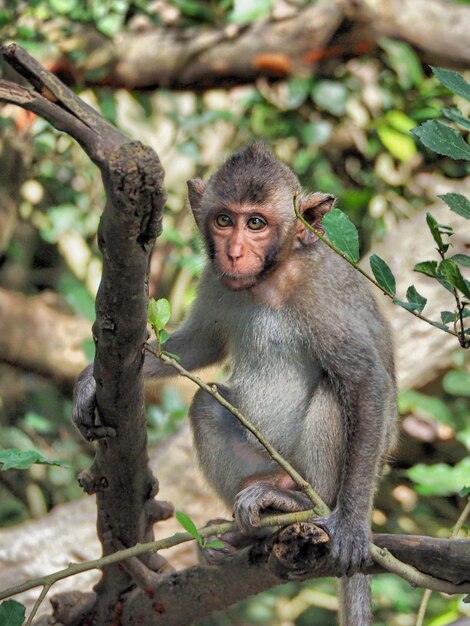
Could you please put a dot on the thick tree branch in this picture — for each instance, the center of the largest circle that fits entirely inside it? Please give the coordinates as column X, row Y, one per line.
column 53, row 101
column 296, row 552
column 26, row 339
column 223, row 56
column 133, row 181
column 435, row 27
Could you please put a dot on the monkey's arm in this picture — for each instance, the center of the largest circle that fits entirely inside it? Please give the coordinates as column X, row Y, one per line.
column 195, row 344
column 198, row 342
column 366, row 392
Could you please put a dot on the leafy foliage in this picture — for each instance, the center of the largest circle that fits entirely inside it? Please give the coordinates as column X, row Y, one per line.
column 12, row 458
column 188, row 524
column 383, row 274
column 12, row 613
column 342, row 233
column 443, row 140
column 344, row 130
column 441, row 479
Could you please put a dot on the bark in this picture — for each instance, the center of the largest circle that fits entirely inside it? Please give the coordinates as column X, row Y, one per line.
column 222, row 56
column 133, row 180
column 294, row 553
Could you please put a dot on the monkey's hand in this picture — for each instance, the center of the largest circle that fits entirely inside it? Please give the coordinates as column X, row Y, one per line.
column 349, row 541
column 84, row 408
column 260, row 496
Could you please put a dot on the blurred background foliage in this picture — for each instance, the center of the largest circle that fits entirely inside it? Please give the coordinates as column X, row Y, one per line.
column 344, row 130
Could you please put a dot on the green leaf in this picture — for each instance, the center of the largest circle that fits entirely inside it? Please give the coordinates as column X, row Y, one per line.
column 440, row 479
column 452, row 81
column 452, row 275
column 440, row 326
column 11, row 613
column 159, row 313
column 164, row 336
column 451, row 316
column 246, row 11
column 38, row 423
column 409, row 306
column 14, row 458
column 457, row 116
column 426, row 267
column 342, row 233
column 461, row 259
column 171, row 355
column 442, row 139
column 457, row 203
column 399, row 145
column 331, row 96
column 418, row 403
column 404, row 61
column 415, row 298
column 383, row 274
column 399, row 121
column 215, row 543
column 63, row 6
column 188, row 524
column 457, row 383
column 435, row 232
column 448, row 317
column 299, row 87
column 464, row 492
column 110, row 24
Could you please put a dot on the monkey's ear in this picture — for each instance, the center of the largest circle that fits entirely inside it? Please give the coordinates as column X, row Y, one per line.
column 196, row 189
column 313, row 208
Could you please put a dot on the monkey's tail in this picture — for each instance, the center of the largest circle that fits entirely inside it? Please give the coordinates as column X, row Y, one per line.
column 355, row 607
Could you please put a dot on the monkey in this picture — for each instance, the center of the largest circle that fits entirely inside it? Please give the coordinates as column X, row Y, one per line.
column 311, row 362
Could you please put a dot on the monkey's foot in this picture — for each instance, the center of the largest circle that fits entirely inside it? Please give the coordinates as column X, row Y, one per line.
column 349, row 551
column 261, row 496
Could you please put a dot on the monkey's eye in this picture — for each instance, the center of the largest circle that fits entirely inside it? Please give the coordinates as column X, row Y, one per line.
column 256, row 223
column 223, row 220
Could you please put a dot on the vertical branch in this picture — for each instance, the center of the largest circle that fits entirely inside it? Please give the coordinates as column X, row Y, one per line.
column 133, row 180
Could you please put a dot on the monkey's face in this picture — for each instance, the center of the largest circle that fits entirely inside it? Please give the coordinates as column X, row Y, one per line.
column 243, row 243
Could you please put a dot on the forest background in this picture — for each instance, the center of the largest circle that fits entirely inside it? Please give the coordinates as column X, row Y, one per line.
column 340, row 112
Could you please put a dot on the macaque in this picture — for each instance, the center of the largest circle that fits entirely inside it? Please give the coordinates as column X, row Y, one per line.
column 311, row 362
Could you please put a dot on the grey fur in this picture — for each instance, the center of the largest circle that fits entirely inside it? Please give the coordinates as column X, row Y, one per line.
column 314, row 374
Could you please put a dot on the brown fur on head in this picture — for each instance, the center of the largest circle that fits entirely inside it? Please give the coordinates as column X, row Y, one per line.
column 251, row 176
column 252, row 185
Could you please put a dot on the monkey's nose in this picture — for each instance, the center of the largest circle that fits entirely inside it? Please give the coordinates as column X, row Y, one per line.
column 235, row 252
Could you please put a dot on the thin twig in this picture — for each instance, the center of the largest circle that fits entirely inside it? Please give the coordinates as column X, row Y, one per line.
column 428, row 592
column 151, row 546
column 380, row 555
column 38, row 603
column 344, row 256
column 319, row 506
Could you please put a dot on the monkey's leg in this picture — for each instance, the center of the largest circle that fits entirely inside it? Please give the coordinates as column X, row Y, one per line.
column 239, row 469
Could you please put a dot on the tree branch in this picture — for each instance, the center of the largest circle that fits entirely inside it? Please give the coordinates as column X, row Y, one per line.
column 203, row 58
column 133, row 181
column 26, row 341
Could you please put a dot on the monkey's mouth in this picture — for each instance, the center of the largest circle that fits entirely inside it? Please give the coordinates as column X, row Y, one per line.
column 238, row 282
